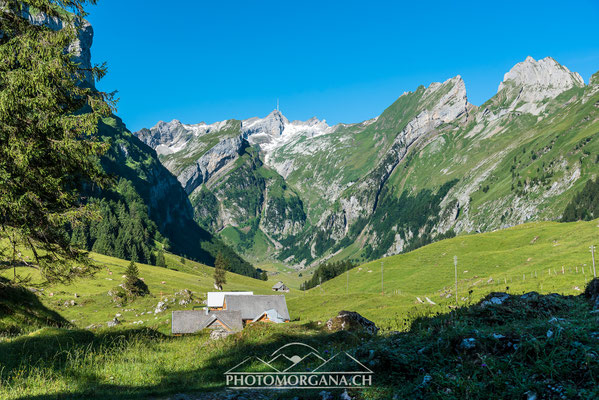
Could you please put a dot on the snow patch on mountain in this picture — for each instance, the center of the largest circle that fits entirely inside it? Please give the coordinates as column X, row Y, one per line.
column 275, row 130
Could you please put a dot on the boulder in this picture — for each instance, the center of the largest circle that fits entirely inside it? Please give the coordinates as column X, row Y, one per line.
column 496, row 298
column 351, row 321
column 113, row 323
column 161, row 306
column 218, row 334
column 69, row 303
column 468, row 344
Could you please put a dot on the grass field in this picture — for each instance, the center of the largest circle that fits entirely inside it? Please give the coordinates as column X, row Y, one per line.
column 519, row 259
column 94, row 305
column 524, row 258
column 138, row 359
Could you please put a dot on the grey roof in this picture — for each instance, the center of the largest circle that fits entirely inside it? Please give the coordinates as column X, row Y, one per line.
column 279, row 285
column 254, row 306
column 190, row 321
column 272, row 315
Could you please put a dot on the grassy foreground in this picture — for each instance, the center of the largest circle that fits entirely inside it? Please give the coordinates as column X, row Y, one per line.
column 529, row 345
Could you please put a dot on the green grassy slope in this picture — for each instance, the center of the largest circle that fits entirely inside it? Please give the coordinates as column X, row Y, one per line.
column 518, row 258
column 94, row 305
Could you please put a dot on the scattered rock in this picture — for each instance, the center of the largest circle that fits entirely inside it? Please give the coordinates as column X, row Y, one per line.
column 69, row 303
column 468, row 344
column 218, row 334
column 345, row 395
column 426, row 380
column 549, row 333
column 351, row 321
column 187, row 297
column 495, row 298
column 324, row 395
column 530, row 395
column 113, row 323
column 118, row 315
column 498, row 336
column 160, row 307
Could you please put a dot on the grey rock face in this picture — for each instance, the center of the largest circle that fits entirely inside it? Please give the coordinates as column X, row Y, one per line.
column 261, row 130
column 211, row 162
column 81, row 48
column 451, row 106
column 530, row 82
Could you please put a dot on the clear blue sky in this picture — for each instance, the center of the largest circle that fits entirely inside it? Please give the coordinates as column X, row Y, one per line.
column 344, row 61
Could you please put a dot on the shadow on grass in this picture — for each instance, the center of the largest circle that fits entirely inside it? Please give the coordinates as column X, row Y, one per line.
column 480, row 351
column 54, row 350
column 20, row 308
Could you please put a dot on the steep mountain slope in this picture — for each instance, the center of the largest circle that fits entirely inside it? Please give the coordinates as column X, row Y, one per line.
column 148, row 210
column 430, row 166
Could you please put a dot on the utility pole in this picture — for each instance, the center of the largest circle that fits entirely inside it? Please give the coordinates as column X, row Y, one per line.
column 593, row 255
column 455, row 264
column 382, row 279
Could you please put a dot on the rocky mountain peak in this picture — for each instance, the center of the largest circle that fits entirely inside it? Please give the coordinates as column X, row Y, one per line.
column 530, row 82
column 527, row 86
column 447, row 100
column 272, row 126
column 546, row 73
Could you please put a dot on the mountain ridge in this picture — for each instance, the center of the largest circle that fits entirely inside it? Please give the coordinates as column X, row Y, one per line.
column 345, row 181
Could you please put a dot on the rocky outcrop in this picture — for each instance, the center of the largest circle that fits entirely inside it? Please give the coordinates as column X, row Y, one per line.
column 209, row 163
column 530, row 82
column 351, row 321
column 264, row 130
column 447, row 102
column 80, row 48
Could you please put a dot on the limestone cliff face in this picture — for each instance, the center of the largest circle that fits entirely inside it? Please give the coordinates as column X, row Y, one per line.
column 209, row 163
column 441, row 103
column 81, row 48
column 529, row 83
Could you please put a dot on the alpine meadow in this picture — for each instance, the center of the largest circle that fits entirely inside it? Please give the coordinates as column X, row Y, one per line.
column 442, row 247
